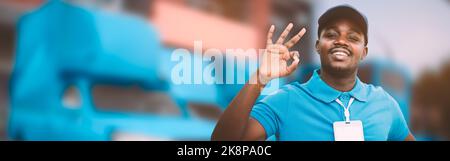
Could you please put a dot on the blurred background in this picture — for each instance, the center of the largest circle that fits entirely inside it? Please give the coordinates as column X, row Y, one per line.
column 101, row 69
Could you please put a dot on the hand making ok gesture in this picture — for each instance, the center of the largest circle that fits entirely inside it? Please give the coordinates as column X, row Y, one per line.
column 274, row 63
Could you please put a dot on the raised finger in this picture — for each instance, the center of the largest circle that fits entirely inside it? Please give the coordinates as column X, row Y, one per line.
column 284, row 34
column 270, row 34
column 295, row 39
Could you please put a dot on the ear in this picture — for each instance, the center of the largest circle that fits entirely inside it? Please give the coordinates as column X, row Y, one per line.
column 317, row 47
column 365, row 52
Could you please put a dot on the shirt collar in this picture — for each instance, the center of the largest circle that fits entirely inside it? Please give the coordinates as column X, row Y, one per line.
column 322, row 91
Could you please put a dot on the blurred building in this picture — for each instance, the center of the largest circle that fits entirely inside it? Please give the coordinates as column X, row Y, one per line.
column 219, row 24
column 412, row 44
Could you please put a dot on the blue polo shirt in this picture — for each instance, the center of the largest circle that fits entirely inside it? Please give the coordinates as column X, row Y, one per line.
column 307, row 112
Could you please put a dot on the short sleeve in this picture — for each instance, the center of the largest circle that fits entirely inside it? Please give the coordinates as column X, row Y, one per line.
column 269, row 111
column 266, row 117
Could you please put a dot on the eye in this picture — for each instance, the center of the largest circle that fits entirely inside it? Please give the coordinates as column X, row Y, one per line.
column 331, row 34
column 354, row 38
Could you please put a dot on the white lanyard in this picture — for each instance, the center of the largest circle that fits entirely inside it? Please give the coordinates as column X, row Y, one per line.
column 346, row 112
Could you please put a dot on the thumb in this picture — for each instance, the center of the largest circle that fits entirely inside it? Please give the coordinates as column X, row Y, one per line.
column 294, row 54
column 291, row 68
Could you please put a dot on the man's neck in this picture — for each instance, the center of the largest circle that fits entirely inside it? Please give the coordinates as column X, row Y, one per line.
column 343, row 83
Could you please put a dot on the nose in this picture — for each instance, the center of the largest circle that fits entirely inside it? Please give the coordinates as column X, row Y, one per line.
column 341, row 41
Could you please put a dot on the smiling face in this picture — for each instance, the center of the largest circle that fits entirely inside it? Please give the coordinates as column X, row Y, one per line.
column 341, row 46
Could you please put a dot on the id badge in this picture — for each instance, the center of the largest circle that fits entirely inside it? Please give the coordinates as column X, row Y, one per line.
column 352, row 131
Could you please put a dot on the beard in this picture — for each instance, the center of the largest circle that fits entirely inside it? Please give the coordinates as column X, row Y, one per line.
column 339, row 71
column 340, row 67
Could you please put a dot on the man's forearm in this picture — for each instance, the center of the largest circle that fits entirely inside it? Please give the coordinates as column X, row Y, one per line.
column 232, row 123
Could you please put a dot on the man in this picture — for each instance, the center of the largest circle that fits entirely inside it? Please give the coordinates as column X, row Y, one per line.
column 333, row 105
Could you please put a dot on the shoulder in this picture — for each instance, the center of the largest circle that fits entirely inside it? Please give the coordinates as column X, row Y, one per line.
column 379, row 95
column 281, row 96
column 281, row 93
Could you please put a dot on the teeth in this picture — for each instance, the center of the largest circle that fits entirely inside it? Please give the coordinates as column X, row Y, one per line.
column 339, row 53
